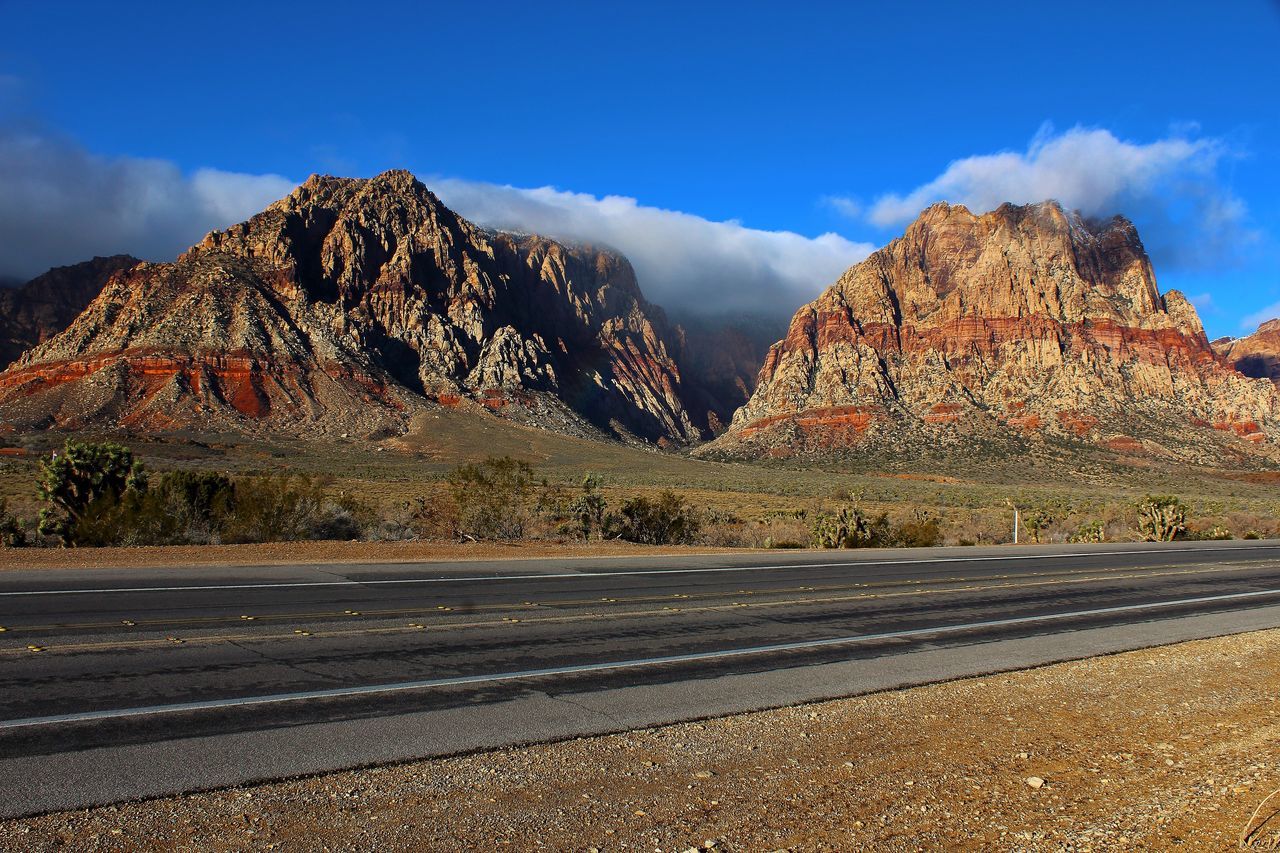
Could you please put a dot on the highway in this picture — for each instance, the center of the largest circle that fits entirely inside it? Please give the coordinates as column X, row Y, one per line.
column 116, row 684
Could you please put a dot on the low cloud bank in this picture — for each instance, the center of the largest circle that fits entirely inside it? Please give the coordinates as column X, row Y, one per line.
column 60, row 204
column 685, row 263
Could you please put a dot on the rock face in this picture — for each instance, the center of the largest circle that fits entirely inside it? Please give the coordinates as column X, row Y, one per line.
column 1025, row 323
column 720, row 358
column 36, row 311
column 349, row 304
column 1257, row 355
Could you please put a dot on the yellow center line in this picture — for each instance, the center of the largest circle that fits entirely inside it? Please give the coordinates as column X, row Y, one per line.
column 560, row 619
column 1113, row 574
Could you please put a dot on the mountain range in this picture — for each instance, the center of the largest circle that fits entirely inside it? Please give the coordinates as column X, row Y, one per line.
column 351, row 305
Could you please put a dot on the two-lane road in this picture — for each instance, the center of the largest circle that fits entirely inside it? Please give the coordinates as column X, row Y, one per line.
column 120, row 683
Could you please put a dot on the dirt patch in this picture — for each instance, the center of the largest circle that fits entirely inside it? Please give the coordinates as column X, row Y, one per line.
column 1170, row 747
column 305, row 553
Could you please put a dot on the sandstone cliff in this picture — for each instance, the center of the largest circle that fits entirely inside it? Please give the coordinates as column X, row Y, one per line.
column 349, row 304
column 1258, row 355
column 1026, row 322
column 36, row 311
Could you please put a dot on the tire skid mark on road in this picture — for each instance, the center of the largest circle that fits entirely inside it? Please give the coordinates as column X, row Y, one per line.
column 113, row 645
column 1118, row 573
column 602, row 666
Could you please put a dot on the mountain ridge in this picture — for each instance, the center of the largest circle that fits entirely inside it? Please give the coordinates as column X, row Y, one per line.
column 32, row 312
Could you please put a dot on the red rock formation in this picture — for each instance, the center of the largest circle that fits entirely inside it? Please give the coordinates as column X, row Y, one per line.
column 1258, row 355
column 44, row 306
column 1025, row 321
column 348, row 304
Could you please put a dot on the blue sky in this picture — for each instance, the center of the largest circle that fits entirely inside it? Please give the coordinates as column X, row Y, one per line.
column 715, row 124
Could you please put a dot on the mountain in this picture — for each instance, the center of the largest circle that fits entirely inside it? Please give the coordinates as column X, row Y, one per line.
column 1025, row 324
column 36, row 311
column 1257, row 355
column 350, row 305
column 720, row 357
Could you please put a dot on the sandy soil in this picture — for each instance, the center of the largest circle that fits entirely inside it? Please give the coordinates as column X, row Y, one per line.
column 298, row 553
column 1158, row 749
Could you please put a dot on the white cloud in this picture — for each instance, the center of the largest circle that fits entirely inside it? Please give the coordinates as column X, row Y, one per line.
column 684, row 262
column 1203, row 302
column 845, row 206
column 1170, row 188
column 60, row 204
column 1250, row 322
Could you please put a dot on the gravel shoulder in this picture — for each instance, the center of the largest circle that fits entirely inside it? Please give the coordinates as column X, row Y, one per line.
column 1164, row 748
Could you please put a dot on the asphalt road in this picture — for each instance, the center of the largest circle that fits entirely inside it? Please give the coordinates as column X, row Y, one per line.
column 117, row 684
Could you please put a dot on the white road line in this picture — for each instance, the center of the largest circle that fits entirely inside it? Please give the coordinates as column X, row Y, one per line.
column 631, row 573
column 373, row 689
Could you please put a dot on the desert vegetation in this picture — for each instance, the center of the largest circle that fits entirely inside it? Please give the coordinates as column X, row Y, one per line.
column 97, row 494
column 87, row 494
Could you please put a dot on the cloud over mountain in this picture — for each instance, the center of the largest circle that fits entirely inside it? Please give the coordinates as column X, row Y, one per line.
column 1172, row 187
column 684, row 262
column 62, row 203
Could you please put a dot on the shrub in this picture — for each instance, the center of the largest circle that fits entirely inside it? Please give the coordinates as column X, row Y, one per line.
column 850, row 528
column 433, row 516
column 202, row 497
column 920, row 531
column 492, row 497
column 84, row 479
column 1090, row 532
column 1035, row 520
column 667, row 520
column 277, row 508
column 1161, row 518
column 587, row 512
column 12, row 532
column 181, row 507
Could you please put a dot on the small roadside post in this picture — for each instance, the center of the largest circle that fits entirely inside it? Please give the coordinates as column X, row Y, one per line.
column 1009, row 503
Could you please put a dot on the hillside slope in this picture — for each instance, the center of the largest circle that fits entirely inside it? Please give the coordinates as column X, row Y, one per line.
column 33, row 312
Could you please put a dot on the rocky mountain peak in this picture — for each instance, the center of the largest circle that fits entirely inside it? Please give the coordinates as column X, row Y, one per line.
column 371, row 289
column 1029, row 321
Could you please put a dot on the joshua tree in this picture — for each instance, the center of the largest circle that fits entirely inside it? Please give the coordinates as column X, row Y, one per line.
column 81, row 475
column 1161, row 518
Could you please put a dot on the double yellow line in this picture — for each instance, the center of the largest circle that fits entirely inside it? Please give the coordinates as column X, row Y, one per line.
column 1075, row 578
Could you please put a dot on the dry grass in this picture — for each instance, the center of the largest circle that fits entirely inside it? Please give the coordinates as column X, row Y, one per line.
column 969, row 493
